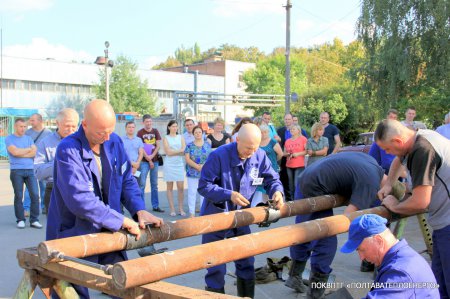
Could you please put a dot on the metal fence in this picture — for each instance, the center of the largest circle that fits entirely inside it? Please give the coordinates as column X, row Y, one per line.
column 7, row 118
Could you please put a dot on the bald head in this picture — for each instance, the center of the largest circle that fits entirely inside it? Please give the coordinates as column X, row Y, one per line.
column 248, row 140
column 248, row 131
column 99, row 110
column 99, row 121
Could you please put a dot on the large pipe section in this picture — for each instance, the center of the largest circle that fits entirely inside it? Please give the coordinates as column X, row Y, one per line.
column 92, row 244
column 153, row 268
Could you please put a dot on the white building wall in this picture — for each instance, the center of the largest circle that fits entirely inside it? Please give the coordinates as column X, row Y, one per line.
column 234, row 85
column 87, row 75
column 172, row 81
column 50, row 71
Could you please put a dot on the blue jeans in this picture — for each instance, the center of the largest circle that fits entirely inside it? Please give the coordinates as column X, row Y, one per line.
column 18, row 178
column 145, row 169
column 294, row 179
column 26, row 198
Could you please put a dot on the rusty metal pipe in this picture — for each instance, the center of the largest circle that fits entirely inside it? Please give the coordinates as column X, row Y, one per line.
column 153, row 268
column 92, row 244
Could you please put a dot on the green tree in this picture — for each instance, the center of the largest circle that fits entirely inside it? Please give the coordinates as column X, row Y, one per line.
column 314, row 102
column 189, row 55
column 127, row 92
column 408, row 48
column 75, row 102
column 193, row 55
column 232, row 52
column 323, row 63
column 268, row 78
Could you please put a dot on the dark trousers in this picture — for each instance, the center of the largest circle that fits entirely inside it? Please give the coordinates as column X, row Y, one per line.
column 215, row 278
column 320, row 251
column 284, row 178
column 47, row 195
column 440, row 263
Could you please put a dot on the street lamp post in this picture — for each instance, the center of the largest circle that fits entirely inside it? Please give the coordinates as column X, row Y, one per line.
column 104, row 60
column 106, row 72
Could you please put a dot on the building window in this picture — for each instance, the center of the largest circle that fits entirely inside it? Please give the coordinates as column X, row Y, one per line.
column 48, row 87
column 8, row 84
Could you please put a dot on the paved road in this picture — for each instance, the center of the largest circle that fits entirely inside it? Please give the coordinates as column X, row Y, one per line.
column 346, row 267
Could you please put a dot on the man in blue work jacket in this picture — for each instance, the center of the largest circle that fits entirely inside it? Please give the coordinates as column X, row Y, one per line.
column 402, row 272
column 92, row 176
column 228, row 181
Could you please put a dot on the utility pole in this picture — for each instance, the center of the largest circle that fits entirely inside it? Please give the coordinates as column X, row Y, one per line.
column 106, row 72
column 287, row 90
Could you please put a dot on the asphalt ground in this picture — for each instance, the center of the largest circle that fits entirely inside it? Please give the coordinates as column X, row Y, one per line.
column 345, row 266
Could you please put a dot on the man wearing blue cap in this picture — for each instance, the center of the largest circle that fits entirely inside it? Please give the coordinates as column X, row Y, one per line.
column 402, row 272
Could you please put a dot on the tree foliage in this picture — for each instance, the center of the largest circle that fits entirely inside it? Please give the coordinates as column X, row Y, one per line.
column 75, row 102
column 319, row 75
column 185, row 56
column 268, row 78
column 408, row 49
column 127, row 91
column 189, row 55
column 401, row 58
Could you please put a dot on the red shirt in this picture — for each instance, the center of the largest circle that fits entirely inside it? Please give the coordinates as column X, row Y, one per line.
column 296, row 146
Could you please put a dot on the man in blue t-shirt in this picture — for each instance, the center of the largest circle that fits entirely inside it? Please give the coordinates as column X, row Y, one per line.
column 21, row 151
column 331, row 132
column 384, row 159
column 266, row 118
column 134, row 147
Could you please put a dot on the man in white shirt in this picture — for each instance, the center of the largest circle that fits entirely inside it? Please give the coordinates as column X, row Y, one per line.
column 409, row 121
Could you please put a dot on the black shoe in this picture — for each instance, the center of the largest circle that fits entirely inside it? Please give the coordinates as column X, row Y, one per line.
column 245, row 287
column 158, row 209
column 366, row 267
column 220, row 291
column 317, row 282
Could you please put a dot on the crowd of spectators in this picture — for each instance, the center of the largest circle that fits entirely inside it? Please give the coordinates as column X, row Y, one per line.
column 288, row 151
column 289, row 148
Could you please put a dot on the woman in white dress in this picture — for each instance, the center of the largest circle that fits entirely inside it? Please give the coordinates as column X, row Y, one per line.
column 174, row 168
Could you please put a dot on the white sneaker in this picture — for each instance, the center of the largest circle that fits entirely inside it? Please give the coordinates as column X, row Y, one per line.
column 21, row 224
column 35, row 224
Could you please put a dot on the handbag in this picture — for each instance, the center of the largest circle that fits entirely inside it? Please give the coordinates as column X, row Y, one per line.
column 160, row 160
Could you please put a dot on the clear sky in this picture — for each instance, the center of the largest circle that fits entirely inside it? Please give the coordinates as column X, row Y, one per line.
column 148, row 31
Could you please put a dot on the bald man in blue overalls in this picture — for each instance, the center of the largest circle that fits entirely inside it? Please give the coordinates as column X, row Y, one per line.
column 228, row 181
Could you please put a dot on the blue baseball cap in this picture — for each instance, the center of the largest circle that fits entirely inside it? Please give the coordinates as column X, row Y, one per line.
column 362, row 227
